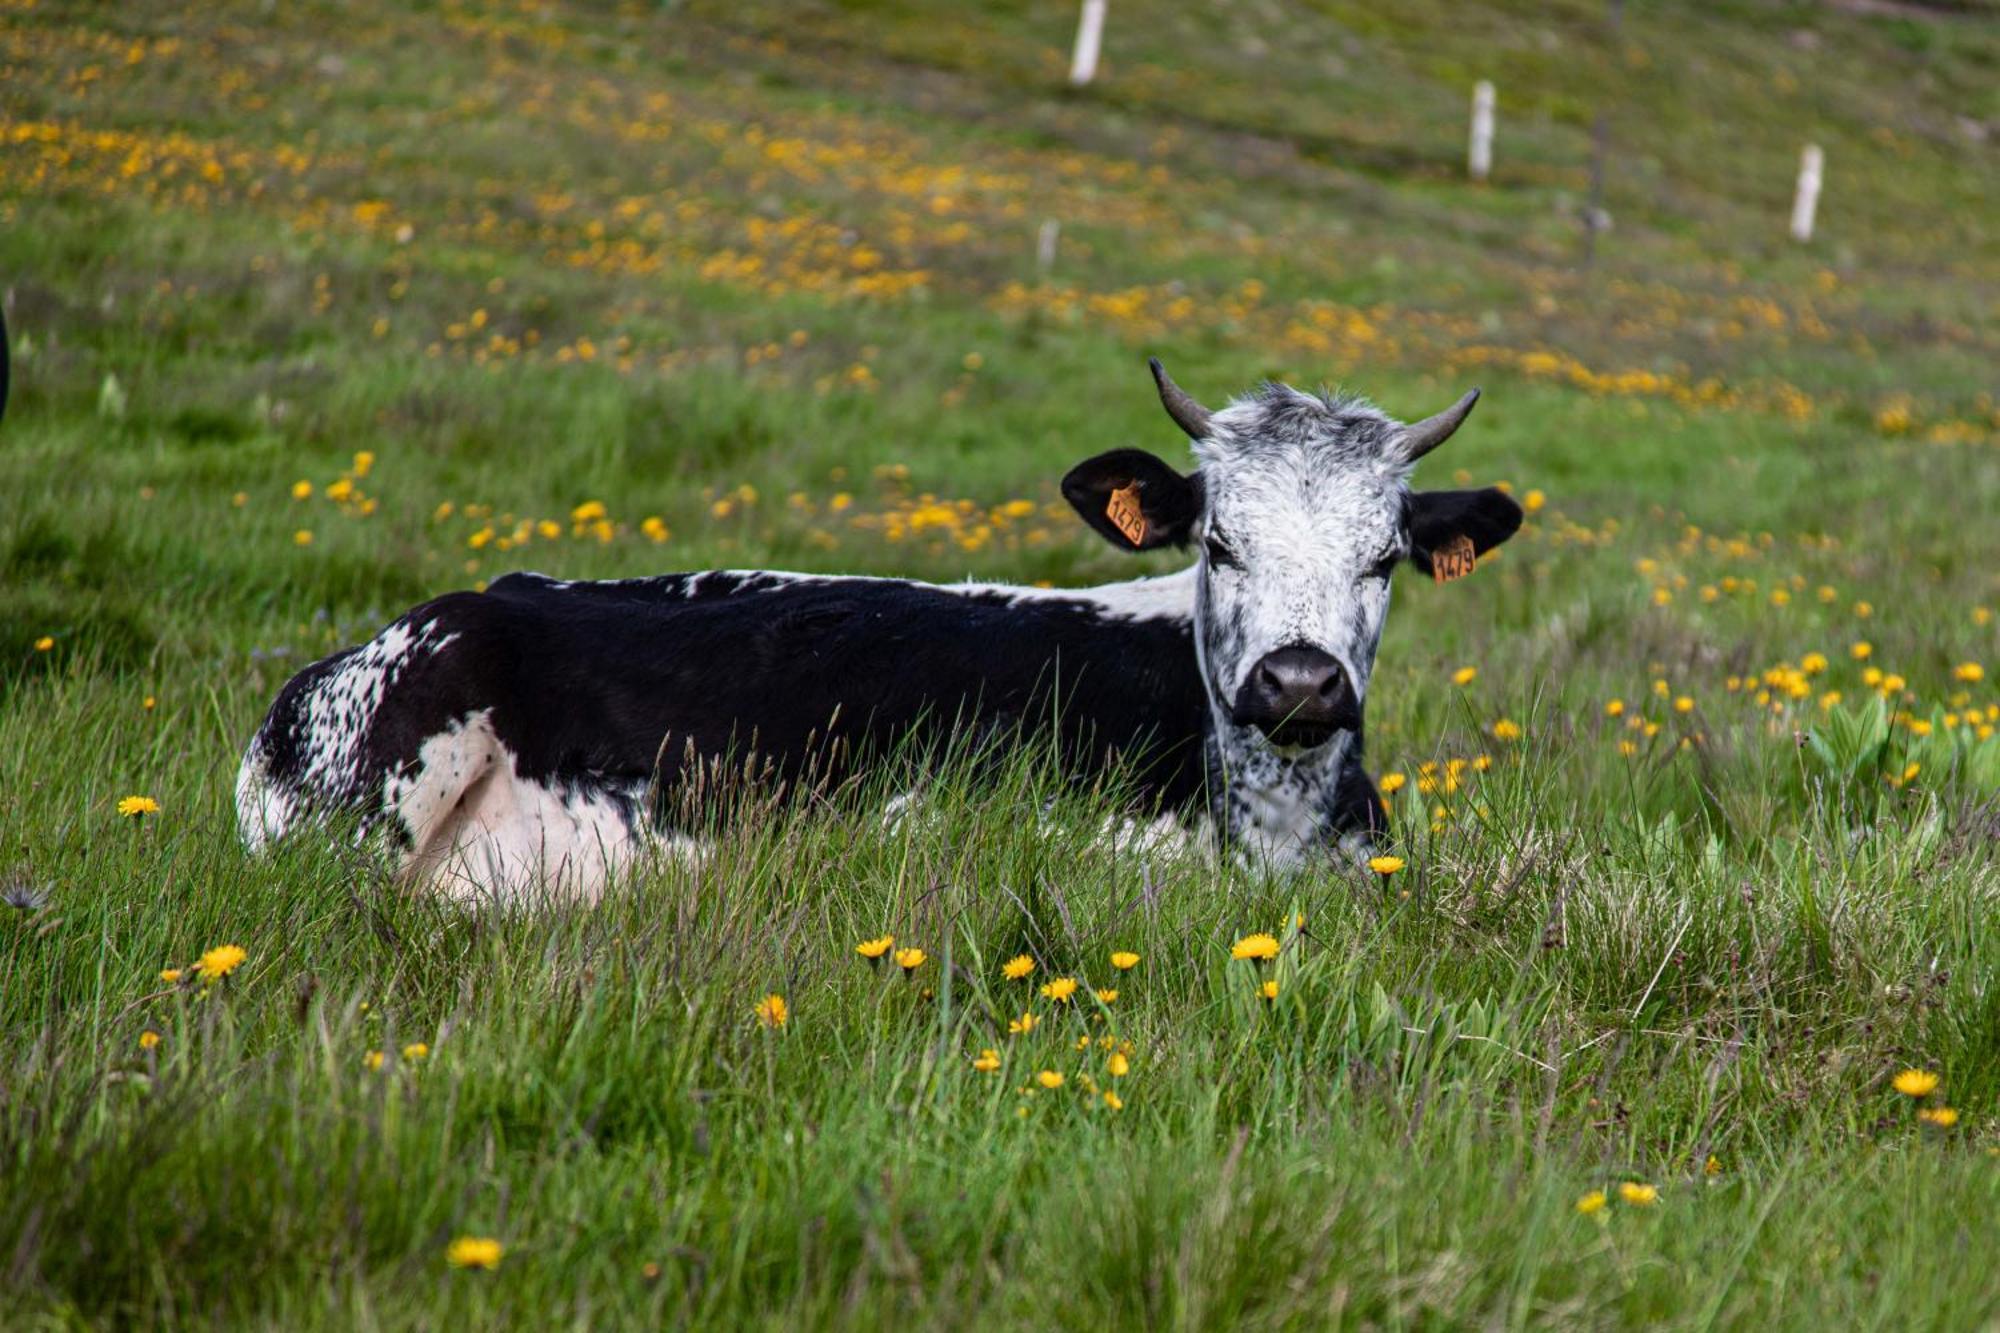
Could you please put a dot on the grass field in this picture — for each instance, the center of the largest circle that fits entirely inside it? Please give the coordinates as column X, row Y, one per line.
column 318, row 310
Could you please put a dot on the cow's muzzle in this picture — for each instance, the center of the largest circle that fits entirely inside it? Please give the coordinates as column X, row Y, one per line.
column 1298, row 697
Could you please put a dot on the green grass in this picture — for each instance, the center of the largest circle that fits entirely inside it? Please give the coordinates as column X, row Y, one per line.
column 658, row 254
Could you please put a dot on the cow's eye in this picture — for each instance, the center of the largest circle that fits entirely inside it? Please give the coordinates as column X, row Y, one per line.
column 1219, row 552
column 1384, row 566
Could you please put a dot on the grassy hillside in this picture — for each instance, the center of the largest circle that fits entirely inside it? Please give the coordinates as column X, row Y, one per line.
column 318, row 310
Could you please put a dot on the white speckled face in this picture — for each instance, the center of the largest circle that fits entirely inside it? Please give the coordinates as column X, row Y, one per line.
column 1303, row 523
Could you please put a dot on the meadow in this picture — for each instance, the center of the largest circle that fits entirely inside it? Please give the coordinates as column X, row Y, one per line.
column 1683, row 1008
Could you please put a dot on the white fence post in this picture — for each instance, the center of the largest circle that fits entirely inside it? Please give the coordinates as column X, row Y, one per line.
column 1806, row 202
column 1089, row 41
column 1479, row 155
column 1045, row 245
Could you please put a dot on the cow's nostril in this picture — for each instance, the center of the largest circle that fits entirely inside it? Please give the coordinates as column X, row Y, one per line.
column 1270, row 679
column 1330, row 684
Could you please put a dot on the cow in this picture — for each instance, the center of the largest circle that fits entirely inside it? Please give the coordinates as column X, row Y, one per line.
column 543, row 734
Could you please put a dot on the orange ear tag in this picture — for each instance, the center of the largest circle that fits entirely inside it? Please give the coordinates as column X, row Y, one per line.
column 1454, row 560
column 1125, row 514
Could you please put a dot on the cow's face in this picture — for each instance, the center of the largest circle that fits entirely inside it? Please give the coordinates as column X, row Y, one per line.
column 1300, row 510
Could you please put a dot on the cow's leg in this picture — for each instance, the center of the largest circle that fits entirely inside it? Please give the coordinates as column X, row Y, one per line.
column 480, row 833
column 1166, row 836
column 437, row 798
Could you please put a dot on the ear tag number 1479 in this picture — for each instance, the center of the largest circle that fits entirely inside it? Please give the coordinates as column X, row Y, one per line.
column 1125, row 513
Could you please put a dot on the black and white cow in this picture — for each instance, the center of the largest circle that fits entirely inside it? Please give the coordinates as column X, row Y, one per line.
column 538, row 734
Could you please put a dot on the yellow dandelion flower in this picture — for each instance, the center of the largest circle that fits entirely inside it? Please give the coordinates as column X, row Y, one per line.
column 170, row 975
column 1060, row 989
column 1813, row 663
column 772, row 1011
column 1862, row 649
column 1023, row 1025
column 1712, row 1167
column 1684, row 704
column 302, row 490
column 1107, row 996
column 1113, row 1100
column 416, row 1051
column 1639, row 1195
column 474, row 1252
column 1260, row 947
column 988, row 1061
column 910, row 960
column 1119, row 1065
column 148, row 1039
column 1269, row 990
column 46, row 642
column 1392, row 783
column 373, row 1060
column 1916, row 1082
column 1506, row 730
column 1017, row 967
column 1465, row 675
column 1944, row 1117
column 1591, row 1202
column 303, row 537
column 1050, row 1079
column 132, row 807
column 1124, row 961
column 1970, row 672
column 588, row 512
column 873, row 949
column 1385, row 865
column 219, row 962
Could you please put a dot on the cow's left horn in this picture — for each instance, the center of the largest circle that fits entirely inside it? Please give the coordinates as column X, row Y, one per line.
column 1189, row 415
column 1420, row 437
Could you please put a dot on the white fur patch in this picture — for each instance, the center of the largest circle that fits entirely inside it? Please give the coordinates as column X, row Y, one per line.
column 481, row 833
column 1165, row 597
column 265, row 810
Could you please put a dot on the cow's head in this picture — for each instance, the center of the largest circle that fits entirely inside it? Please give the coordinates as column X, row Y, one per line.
column 1300, row 509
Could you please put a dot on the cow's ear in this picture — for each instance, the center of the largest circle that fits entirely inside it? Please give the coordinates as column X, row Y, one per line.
column 1451, row 529
column 1135, row 501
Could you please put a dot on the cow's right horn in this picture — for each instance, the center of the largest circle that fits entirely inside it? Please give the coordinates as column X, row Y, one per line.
column 1189, row 415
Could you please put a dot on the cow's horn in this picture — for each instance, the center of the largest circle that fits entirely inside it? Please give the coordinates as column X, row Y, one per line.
column 1420, row 437
column 1189, row 415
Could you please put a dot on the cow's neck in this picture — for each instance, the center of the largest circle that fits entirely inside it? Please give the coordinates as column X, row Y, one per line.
column 1272, row 809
